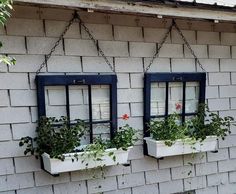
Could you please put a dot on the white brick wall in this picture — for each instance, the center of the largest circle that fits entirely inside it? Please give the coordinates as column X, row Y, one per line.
column 129, row 42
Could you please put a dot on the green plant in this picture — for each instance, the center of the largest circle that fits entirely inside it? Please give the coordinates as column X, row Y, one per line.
column 5, row 8
column 55, row 137
column 197, row 128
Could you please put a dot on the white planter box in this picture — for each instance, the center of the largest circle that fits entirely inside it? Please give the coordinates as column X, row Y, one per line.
column 56, row 166
column 159, row 149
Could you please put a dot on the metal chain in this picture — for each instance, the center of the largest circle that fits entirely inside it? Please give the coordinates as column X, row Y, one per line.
column 164, row 40
column 189, row 47
column 95, row 43
column 48, row 56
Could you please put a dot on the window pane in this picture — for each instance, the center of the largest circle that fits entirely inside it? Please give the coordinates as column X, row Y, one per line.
column 158, row 96
column 101, row 130
column 192, row 97
column 175, row 100
column 55, row 101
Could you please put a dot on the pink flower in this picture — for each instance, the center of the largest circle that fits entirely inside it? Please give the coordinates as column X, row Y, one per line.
column 178, row 106
column 125, row 116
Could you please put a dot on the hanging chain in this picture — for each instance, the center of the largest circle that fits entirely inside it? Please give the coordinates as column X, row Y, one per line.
column 164, row 40
column 75, row 16
column 189, row 47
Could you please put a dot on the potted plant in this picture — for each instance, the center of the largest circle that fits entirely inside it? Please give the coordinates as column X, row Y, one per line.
column 58, row 144
column 169, row 137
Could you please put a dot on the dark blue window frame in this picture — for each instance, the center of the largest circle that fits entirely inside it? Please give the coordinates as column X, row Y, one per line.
column 167, row 78
column 87, row 80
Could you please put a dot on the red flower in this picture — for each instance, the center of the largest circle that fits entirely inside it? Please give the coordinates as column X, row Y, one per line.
column 178, row 106
column 125, row 116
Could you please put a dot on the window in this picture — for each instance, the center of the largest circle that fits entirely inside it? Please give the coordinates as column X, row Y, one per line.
column 92, row 98
column 164, row 92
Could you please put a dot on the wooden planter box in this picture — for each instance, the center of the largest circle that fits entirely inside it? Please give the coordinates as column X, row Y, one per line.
column 159, row 149
column 56, row 166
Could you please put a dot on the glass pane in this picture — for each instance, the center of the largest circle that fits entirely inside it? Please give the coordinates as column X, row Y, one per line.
column 78, row 96
column 175, row 100
column 192, row 97
column 158, row 97
column 55, row 101
column 101, row 102
column 101, row 130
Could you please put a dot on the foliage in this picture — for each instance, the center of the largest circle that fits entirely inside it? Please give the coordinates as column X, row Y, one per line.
column 5, row 8
column 55, row 137
column 197, row 128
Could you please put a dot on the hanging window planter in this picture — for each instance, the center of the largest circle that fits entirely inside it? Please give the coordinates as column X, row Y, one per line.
column 175, row 113
column 82, row 139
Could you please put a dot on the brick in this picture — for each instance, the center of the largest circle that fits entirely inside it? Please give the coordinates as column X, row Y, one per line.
column 56, row 14
column 36, row 190
column 136, row 80
column 171, row 187
column 43, row 45
column 69, row 188
column 182, row 172
column 210, row 190
column 227, row 91
column 195, row 183
column 159, row 65
column 64, row 64
column 124, row 33
column 227, row 165
column 229, row 141
column 231, row 113
column 96, row 64
column 23, row 130
column 228, row 38
column 188, row 34
column 227, row 65
column 197, row 158
column 23, row 98
column 55, row 28
column 124, row 20
column 14, row 115
column 13, row 45
column 171, row 51
column 27, row 63
column 157, row 176
column 219, row 78
column 217, row 179
column 42, row 178
column 219, row 52
column 199, row 50
column 114, row 48
column 232, row 152
column 140, row 49
column 123, row 80
column 146, row 189
column 232, row 127
column 5, row 132
column 183, row 65
column 8, row 192
column 222, row 154
column 24, row 27
column 20, row 81
column 6, row 166
column 11, row 149
column 208, row 37
column 4, row 100
column 21, row 11
column 131, row 180
column 122, row 191
column 224, row 27
column 205, row 169
column 233, row 49
column 16, row 181
column 136, row 153
column 212, row 92
column 135, row 122
column 116, row 170
column 2, row 30
column 170, row 162
column 27, row 164
column 232, row 177
column 123, row 109
column 155, row 35
column 99, row 31
column 101, row 185
column 218, row 104
column 233, row 78
column 227, row 188
column 129, row 95
column 210, row 65
column 136, row 109
column 126, row 65
column 144, row 164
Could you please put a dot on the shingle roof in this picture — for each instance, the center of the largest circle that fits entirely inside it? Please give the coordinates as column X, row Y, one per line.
column 226, row 3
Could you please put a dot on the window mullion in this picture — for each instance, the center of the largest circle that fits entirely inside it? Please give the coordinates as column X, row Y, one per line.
column 183, row 104
column 167, row 100
column 67, row 104
column 90, row 113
